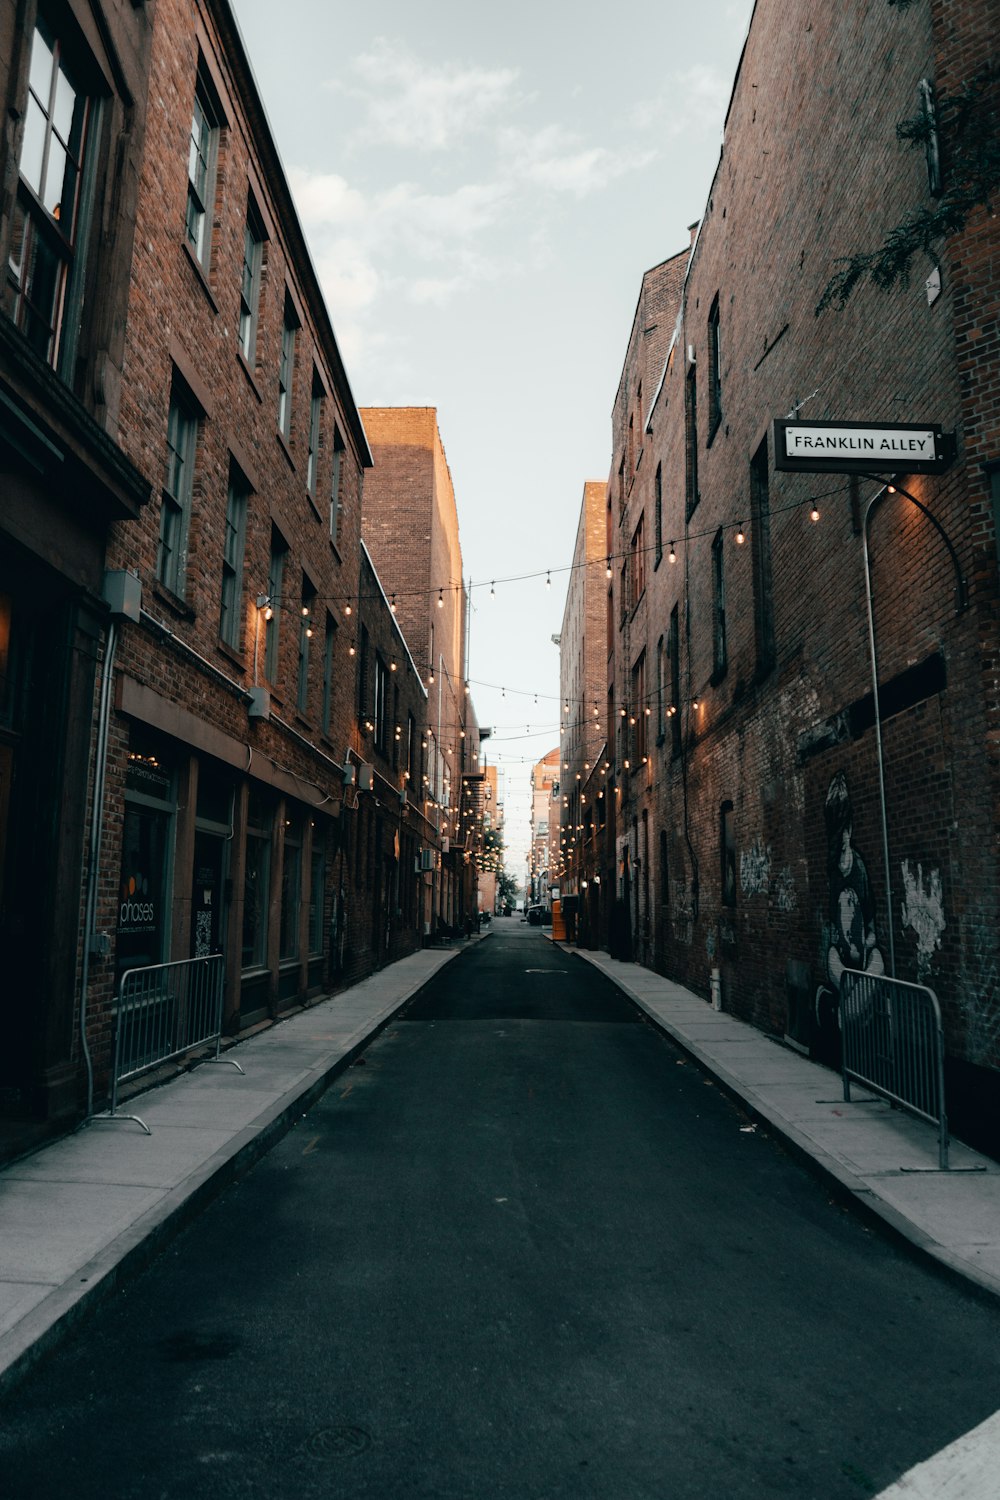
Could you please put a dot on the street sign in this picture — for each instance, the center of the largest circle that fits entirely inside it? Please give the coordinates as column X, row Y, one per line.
column 861, row 447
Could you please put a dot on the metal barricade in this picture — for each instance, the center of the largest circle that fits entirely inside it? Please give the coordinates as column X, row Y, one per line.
column 892, row 1043
column 165, row 1010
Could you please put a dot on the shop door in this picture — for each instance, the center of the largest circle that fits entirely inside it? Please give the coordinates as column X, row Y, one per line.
column 208, row 894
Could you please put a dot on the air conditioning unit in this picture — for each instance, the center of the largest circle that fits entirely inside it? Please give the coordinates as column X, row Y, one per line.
column 445, row 844
column 426, row 860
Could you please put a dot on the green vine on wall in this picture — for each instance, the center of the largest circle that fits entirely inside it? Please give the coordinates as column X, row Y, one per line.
column 960, row 133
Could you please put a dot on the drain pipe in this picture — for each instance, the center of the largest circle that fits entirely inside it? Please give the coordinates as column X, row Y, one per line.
column 90, row 938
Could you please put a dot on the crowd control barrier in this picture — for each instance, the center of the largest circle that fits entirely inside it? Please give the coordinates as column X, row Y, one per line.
column 892, row 1043
column 164, row 1011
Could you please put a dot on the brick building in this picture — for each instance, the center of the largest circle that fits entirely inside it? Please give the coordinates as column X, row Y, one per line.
column 583, row 658
column 73, row 80
column 545, row 857
column 756, row 816
column 194, row 648
column 410, row 526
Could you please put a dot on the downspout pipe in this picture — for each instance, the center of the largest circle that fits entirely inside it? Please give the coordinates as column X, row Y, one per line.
column 961, row 604
column 94, row 849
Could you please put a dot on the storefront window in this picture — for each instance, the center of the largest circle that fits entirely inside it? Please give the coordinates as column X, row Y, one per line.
column 291, row 889
column 317, row 882
column 143, row 906
column 257, row 883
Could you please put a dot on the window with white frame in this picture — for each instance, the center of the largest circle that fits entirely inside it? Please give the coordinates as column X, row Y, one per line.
column 253, row 260
column 336, row 506
column 286, row 370
column 233, row 549
column 202, row 150
column 47, row 212
column 178, row 492
column 315, row 418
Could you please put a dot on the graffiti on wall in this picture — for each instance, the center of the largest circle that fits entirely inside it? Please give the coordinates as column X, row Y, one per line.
column 850, row 939
column 785, row 895
column 853, row 942
column 923, row 910
column 755, row 869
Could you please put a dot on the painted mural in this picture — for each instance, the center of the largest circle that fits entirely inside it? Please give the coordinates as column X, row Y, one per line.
column 851, row 940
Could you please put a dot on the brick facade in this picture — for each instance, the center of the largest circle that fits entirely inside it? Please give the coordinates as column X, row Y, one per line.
column 763, row 790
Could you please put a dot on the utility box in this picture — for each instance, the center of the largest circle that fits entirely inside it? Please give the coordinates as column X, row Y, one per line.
column 259, row 706
column 123, row 594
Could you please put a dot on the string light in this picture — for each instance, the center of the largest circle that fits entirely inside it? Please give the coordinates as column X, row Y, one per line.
column 814, row 513
column 440, row 598
column 673, row 554
column 548, row 580
column 740, row 537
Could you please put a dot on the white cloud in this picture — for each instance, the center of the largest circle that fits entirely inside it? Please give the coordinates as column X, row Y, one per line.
column 693, row 100
column 556, row 159
column 429, row 108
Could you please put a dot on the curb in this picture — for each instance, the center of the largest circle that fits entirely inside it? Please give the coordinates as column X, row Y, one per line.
column 847, row 1187
column 68, row 1305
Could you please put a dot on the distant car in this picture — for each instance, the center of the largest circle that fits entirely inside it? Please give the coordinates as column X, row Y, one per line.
column 535, row 915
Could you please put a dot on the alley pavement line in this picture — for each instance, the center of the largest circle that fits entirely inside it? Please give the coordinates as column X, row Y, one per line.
column 885, row 1159
column 57, row 1199
column 968, row 1469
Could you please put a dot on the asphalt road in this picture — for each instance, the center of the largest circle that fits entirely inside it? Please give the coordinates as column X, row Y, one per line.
column 521, row 1248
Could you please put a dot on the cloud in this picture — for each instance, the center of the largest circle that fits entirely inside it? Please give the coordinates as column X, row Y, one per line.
column 411, row 104
column 693, row 100
column 557, row 160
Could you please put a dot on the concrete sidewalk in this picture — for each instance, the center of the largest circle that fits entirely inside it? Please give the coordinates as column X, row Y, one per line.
column 885, row 1159
column 88, row 1210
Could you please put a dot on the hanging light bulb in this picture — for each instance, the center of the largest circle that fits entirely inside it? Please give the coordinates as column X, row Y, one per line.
column 350, row 649
column 548, row 580
column 392, row 604
column 740, row 535
column 493, row 591
column 814, row 513
column 348, row 610
column 440, row 598
column 607, row 569
column 673, row 554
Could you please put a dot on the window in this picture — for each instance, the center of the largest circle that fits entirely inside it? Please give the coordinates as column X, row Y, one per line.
column 661, row 667
column 47, row 215
column 328, row 661
column 315, row 417
column 253, row 255
column 640, row 708
column 306, row 627
column 363, row 678
column 714, row 371
column 286, row 370
column 623, row 596
column 638, row 562
column 291, row 892
column 674, row 652
column 411, row 730
column 658, row 511
column 760, row 546
column 317, row 885
column 727, row 854
column 380, row 706
column 719, row 654
column 275, row 581
column 611, row 619
column 175, row 509
column 202, row 148
column 335, row 482
column 691, row 441
column 232, row 558
column 256, row 882
column 397, row 728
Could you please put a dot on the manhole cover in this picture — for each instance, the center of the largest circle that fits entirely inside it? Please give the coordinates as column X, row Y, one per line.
column 337, row 1442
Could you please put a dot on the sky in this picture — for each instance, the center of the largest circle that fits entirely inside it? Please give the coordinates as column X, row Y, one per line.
column 482, row 189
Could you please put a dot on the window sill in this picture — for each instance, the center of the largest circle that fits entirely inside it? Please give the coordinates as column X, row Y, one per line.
column 176, row 605
column 249, row 373
column 231, row 653
column 201, row 274
column 336, row 552
column 315, row 508
column 286, row 450
column 303, row 723
column 713, row 428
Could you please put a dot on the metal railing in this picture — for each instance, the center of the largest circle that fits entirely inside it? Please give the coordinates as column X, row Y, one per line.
column 892, row 1043
column 164, row 1011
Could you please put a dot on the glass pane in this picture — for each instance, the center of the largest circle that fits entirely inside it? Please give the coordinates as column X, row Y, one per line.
column 290, row 893
column 33, row 146
column 255, row 901
column 55, row 175
column 62, row 110
column 40, row 74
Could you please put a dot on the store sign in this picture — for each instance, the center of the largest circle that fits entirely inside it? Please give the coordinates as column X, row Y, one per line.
column 861, row 447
